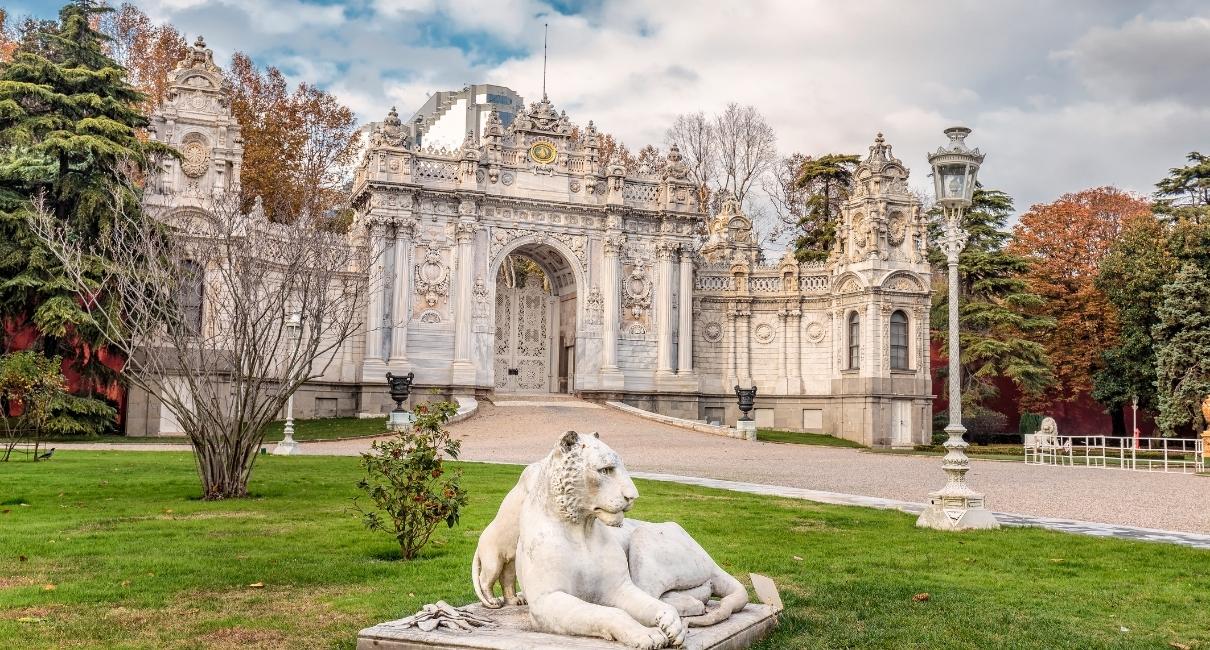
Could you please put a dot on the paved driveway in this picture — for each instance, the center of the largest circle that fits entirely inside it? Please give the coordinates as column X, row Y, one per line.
column 523, row 433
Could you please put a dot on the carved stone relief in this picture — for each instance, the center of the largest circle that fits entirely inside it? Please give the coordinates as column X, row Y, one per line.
column 432, row 276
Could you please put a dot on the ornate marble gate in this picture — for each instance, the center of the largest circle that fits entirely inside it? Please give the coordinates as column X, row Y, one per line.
column 522, row 353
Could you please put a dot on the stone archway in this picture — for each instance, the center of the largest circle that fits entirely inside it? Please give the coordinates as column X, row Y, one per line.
column 536, row 320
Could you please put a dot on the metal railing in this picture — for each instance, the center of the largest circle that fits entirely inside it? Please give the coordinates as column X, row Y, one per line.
column 1183, row 455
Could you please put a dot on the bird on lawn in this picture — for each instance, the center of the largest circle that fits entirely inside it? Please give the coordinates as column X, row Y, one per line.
column 47, row 455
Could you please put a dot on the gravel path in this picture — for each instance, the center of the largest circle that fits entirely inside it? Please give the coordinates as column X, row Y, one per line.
column 523, row 434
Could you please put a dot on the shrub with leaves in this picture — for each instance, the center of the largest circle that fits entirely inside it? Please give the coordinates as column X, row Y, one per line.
column 31, row 385
column 406, row 481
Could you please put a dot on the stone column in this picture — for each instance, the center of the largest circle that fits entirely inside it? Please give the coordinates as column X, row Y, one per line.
column 611, row 375
column 402, row 312
column 377, row 277
column 664, row 252
column 743, row 373
column 463, row 369
column 794, row 350
column 684, row 351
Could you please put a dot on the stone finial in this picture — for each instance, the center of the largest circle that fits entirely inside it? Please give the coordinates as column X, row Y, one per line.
column 392, row 118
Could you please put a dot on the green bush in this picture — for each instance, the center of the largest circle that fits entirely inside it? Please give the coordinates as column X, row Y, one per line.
column 1030, row 423
column 411, row 491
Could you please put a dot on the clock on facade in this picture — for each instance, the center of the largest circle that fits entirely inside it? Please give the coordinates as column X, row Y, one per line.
column 543, row 153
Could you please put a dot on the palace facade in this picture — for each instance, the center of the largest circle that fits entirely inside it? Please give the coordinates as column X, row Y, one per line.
column 518, row 263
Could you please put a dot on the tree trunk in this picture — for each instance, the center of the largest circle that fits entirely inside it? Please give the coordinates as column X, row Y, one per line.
column 224, row 469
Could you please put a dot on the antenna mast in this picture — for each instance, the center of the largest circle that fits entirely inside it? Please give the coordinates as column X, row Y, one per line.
column 545, row 33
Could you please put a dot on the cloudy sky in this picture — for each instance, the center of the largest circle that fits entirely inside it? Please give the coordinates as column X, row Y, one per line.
column 1062, row 95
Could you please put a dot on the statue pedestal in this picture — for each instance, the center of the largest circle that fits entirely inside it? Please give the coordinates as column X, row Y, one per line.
column 513, row 630
column 746, row 429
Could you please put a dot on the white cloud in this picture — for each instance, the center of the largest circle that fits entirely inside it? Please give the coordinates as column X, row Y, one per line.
column 1097, row 92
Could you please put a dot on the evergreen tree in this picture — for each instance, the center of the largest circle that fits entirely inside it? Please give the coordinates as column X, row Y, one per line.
column 1182, row 352
column 68, row 122
column 995, row 318
column 1133, row 276
column 1185, row 193
column 825, row 182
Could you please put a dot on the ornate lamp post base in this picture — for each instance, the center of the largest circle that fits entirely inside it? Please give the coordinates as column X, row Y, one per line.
column 286, row 448
column 956, row 506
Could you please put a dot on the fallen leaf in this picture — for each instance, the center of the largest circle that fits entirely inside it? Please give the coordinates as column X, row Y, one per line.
column 23, row 558
column 798, row 559
column 920, row 598
column 48, row 587
column 167, row 511
column 30, row 619
column 411, row 595
column 1056, row 560
column 125, row 583
column 1178, row 645
column 1123, row 628
column 257, row 585
column 6, row 511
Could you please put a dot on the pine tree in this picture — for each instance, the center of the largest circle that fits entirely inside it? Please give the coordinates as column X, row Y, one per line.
column 68, row 122
column 825, row 181
column 1182, row 352
column 995, row 315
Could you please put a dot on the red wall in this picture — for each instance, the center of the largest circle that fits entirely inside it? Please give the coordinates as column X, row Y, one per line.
column 1083, row 417
column 21, row 337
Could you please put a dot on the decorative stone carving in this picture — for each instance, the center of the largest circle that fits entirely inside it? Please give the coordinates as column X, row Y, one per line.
column 712, row 332
column 563, row 527
column 815, row 332
column 195, row 155
column 430, row 317
column 903, row 282
column 432, row 276
column 594, row 307
column 390, row 133
column 479, row 299
column 897, row 227
column 764, row 333
column 636, row 289
column 577, row 244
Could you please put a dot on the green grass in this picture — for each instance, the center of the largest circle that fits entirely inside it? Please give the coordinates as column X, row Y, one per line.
column 319, row 429
column 793, row 437
column 329, row 428
column 137, row 561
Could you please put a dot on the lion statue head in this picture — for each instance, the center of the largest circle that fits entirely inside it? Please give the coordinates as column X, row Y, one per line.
column 1049, row 426
column 587, row 479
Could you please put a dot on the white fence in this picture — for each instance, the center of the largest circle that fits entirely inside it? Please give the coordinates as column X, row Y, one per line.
column 1184, row 455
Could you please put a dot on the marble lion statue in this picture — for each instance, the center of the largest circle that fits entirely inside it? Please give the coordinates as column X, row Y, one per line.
column 625, row 580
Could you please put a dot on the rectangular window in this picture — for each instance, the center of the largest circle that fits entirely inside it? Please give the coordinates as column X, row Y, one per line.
column 854, row 342
column 190, row 295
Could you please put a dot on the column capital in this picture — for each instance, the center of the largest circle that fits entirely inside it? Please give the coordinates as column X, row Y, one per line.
column 613, row 243
column 666, row 250
column 464, row 232
column 405, row 228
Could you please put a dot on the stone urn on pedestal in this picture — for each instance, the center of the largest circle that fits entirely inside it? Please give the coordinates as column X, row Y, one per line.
column 400, row 387
column 746, row 426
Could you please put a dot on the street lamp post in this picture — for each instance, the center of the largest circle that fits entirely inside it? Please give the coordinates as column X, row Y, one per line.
column 955, row 506
column 288, row 445
column 1134, row 420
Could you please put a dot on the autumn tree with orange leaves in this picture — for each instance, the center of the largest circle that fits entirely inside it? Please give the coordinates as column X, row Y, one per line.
column 299, row 145
column 148, row 51
column 1065, row 242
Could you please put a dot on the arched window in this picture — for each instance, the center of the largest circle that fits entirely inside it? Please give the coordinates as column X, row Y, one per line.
column 899, row 341
column 854, row 341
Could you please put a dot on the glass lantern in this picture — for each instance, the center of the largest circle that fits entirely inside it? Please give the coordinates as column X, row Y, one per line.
column 955, row 168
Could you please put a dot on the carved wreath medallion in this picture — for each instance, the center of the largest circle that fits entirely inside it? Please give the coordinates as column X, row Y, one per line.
column 764, row 333
column 815, row 333
column 195, row 155
column 712, row 332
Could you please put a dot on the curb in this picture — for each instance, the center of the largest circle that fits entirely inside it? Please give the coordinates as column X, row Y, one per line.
column 676, row 422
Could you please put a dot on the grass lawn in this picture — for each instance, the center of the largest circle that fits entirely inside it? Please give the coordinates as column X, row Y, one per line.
column 320, row 429
column 822, row 439
column 328, row 428
column 105, row 549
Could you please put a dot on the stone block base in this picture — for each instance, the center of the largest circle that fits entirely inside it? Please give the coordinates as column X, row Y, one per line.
column 513, row 631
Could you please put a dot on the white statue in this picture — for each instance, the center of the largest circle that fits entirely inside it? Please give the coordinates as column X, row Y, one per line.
column 629, row 581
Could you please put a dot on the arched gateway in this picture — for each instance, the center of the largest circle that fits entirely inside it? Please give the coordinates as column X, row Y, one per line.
column 522, row 261
column 536, row 320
